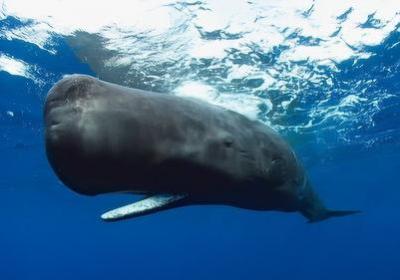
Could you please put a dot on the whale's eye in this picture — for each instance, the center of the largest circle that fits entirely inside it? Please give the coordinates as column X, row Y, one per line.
column 228, row 143
column 275, row 159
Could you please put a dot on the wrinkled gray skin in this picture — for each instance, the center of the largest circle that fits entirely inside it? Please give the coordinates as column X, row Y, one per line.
column 102, row 138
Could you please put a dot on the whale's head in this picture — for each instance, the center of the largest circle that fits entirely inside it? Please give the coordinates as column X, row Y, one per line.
column 75, row 137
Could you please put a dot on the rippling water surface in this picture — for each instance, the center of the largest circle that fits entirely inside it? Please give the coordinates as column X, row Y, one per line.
column 325, row 74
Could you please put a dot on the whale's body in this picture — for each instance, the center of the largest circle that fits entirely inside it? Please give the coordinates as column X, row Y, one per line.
column 102, row 138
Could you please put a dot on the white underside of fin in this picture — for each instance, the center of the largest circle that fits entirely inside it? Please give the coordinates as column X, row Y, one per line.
column 148, row 204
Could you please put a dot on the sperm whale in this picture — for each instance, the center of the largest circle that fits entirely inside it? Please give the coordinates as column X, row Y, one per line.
column 103, row 138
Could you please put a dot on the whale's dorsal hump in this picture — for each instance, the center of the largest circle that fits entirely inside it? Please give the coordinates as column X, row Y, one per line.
column 145, row 206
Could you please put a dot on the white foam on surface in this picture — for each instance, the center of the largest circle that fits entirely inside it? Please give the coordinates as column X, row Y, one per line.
column 239, row 17
column 14, row 66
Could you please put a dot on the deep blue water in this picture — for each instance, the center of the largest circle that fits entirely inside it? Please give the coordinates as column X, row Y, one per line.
column 49, row 232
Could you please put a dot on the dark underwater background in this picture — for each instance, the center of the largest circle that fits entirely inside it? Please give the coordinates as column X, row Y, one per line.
column 325, row 75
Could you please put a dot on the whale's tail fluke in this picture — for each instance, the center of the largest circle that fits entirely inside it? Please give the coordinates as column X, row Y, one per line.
column 324, row 214
column 314, row 210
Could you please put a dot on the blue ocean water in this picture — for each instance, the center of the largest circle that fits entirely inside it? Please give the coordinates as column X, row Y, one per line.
column 335, row 96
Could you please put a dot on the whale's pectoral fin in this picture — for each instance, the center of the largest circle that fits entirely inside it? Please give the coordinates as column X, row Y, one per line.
column 145, row 206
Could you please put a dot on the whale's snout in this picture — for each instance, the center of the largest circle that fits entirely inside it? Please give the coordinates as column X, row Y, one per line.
column 61, row 117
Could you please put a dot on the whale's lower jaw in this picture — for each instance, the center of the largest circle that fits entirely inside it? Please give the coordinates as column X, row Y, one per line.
column 145, row 206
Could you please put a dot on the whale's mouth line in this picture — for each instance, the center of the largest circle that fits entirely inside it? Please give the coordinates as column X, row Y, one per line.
column 144, row 206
